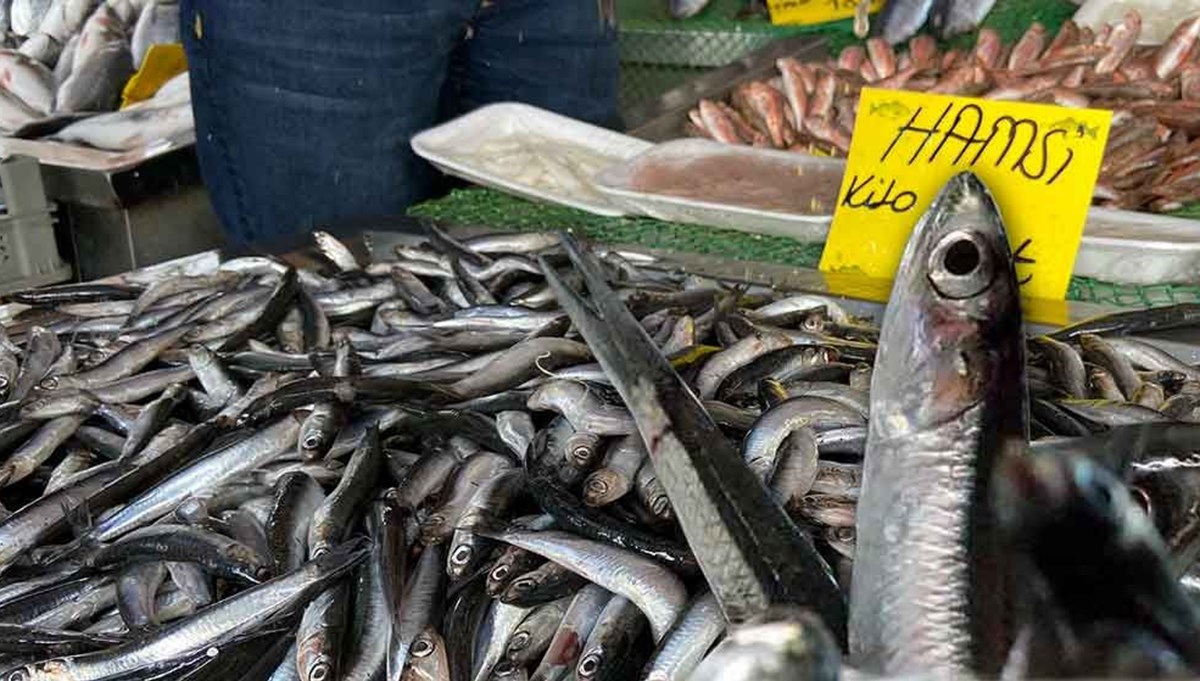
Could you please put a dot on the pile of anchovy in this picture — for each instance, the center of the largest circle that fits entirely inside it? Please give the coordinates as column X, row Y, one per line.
column 514, row 456
column 1152, row 155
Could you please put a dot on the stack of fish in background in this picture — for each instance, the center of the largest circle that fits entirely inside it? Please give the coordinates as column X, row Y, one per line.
column 71, row 59
column 457, row 465
column 1153, row 90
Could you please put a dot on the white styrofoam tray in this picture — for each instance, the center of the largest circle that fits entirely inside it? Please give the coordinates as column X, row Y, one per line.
column 441, row 144
column 1128, row 247
column 617, row 183
column 1119, row 246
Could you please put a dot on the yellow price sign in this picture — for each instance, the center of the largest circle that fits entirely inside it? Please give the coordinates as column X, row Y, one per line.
column 1039, row 161
column 814, row 11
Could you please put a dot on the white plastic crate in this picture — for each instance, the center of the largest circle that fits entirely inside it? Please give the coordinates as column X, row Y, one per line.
column 28, row 252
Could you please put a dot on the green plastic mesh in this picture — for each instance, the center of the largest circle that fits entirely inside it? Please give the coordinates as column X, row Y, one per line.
column 641, row 83
column 491, row 208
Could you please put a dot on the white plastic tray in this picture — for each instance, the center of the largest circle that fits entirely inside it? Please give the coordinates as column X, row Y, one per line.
column 445, row 146
column 1124, row 247
column 1139, row 248
column 617, row 183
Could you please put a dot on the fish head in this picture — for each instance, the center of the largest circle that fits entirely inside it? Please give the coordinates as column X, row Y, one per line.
column 591, row 662
column 462, row 556
column 1066, row 510
column 50, row 670
column 1167, row 489
column 51, row 384
column 582, row 448
column 1080, row 529
column 313, row 663
column 786, row 643
column 519, row 587
column 428, row 659
column 507, row 671
column 497, row 578
column 954, row 316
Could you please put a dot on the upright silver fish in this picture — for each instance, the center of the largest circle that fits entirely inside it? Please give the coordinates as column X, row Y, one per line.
column 948, row 402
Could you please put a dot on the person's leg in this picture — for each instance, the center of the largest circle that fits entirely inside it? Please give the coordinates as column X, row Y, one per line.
column 304, row 110
column 560, row 55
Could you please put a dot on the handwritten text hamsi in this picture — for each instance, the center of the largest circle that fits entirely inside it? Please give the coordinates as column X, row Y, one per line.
column 1039, row 161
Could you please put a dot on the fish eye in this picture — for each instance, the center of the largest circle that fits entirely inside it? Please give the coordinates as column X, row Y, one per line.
column 959, row 265
column 589, row 664
column 519, row 640
column 320, row 672
column 18, row 675
column 311, row 442
column 597, row 486
column 500, row 572
column 961, row 258
column 523, row 584
column 505, row 668
column 422, row 647
column 461, row 555
column 49, row 384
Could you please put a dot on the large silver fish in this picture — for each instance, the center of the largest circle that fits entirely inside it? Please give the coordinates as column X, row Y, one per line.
column 948, row 401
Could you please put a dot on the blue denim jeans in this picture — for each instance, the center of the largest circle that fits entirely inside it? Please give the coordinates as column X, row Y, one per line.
column 304, row 109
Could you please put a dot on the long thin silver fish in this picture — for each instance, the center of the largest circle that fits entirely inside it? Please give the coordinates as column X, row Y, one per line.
column 655, row 590
column 205, row 474
column 691, row 637
column 948, row 402
column 229, row 619
column 750, row 552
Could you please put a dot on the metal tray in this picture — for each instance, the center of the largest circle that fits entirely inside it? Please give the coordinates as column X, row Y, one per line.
column 1139, row 248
